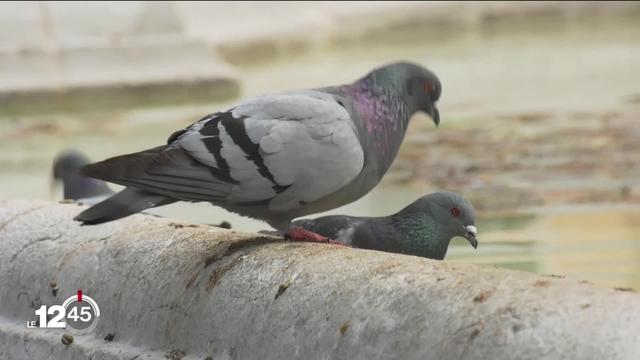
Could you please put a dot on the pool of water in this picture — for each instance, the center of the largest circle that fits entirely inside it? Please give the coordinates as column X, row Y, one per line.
column 573, row 68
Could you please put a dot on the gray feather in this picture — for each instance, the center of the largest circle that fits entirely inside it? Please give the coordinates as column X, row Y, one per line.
column 124, row 203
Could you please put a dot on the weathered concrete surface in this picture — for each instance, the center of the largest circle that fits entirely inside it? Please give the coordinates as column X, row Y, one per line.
column 131, row 74
column 167, row 288
column 60, row 56
column 293, row 27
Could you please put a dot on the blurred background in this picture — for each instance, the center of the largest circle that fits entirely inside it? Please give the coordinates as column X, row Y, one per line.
column 539, row 109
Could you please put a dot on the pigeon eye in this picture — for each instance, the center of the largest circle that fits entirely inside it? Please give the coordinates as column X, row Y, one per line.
column 455, row 211
column 428, row 88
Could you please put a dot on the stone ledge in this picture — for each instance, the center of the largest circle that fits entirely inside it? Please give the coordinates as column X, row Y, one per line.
column 166, row 287
column 94, row 78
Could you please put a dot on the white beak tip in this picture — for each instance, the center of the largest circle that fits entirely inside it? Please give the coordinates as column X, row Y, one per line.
column 472, row 229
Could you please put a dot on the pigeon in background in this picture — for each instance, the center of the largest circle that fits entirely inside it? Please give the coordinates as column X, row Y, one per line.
column 277, row 157
column 423, row 228
column 75, row 186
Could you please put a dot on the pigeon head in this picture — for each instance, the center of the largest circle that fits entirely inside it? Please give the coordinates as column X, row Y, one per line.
column 67, row 163
column 419, row 86
column 452, row 214
column 383, row 103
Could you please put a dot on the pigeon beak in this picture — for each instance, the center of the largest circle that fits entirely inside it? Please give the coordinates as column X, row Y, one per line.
column 435, row 115
column 471, row 235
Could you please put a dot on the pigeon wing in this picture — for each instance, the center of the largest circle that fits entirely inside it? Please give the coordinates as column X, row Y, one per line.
column 285, row 150
column 281, row 150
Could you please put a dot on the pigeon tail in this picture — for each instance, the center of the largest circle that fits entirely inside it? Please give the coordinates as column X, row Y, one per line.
column 116, row 168
column 127, row 202
column 166, row 171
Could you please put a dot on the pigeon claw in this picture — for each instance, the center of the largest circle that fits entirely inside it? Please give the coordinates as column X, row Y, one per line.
column 300, row 234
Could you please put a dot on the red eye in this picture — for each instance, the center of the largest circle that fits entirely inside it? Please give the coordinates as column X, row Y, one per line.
column 455, row 212
column 428, row 88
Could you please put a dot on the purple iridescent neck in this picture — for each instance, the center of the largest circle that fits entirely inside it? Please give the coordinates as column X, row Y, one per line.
column 384, row 115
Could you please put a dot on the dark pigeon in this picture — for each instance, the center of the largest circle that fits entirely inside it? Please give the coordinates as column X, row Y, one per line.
column 423, row 228
column 277, row 157
column 75, row 186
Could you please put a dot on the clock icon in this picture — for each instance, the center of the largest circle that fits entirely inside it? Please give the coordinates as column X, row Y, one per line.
column 81, row 313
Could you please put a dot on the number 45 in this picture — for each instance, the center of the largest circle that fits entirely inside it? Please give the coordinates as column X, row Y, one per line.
column 85, row 314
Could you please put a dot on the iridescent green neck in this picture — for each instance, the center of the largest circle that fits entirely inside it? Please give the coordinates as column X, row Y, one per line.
column 422, row 236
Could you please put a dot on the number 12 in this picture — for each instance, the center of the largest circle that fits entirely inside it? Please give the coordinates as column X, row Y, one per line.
column 55, row 322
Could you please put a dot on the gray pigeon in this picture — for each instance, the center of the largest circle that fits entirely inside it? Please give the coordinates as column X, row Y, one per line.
column 423, row 228
column 75, row 186
column 277, row 157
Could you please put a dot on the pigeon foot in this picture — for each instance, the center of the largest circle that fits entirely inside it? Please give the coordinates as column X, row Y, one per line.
column 300, row 234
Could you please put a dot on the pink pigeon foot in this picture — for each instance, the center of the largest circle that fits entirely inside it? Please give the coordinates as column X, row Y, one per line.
column 300, row 234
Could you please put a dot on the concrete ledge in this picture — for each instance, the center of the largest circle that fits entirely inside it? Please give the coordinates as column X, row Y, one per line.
column 292, row 28
column 167, row 288
column 159, row 72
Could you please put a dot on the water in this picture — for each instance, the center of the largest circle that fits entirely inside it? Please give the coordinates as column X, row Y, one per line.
column 577, row 68
column 599, row 244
